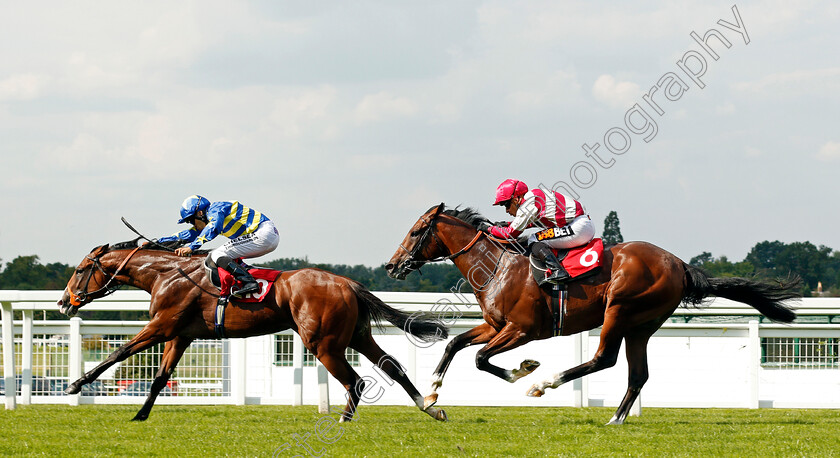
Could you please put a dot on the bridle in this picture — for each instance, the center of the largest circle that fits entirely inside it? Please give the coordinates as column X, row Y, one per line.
column 411, row 263
column 77, row 300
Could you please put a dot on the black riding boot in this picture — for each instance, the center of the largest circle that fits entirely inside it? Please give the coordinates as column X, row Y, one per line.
column 249, row 285
column 555, row 272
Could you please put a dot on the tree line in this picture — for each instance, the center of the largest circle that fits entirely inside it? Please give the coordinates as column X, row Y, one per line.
column 817, row 265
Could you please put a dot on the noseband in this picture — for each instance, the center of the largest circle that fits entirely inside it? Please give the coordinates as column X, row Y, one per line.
column 77, row 300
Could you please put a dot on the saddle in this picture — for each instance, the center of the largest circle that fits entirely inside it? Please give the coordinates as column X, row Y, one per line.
column 580, row 262
column 222, row 279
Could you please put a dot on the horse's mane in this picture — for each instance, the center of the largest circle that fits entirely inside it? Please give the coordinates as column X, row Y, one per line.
column 472, row 217
column 468, row 215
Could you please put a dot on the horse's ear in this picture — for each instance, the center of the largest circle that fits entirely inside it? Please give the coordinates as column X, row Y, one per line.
column 439, row 209
column 100, row 250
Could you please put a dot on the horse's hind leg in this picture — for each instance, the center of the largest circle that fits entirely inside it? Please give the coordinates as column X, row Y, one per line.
column 172, row 352
column 368, row 347
column 636, row 348
column 605, row 356
column 335, row 362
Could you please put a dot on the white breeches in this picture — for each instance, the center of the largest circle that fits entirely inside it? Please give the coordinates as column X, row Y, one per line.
column 262, row 241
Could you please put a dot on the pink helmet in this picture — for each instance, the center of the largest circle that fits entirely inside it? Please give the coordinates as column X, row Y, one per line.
column 509, row 189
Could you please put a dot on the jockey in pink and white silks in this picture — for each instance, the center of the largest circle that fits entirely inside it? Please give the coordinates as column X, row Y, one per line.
column 564, row 222
column 251, row 234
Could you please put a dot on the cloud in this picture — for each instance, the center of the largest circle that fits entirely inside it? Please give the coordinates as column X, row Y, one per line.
column 821, row 82
column 373, row 162
column 305, row 110
column 382, row 105
column 614, row 93
column 22, row 87
column 753, row 152
column 556, row 87
column 727, row 108
column 829, row 152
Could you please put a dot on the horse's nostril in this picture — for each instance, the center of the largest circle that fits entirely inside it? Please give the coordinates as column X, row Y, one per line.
column 389, row 267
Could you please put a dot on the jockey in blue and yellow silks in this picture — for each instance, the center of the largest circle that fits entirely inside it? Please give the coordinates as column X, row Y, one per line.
column 250, row 232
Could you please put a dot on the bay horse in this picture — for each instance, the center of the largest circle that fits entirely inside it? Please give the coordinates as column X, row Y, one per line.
column 638, row 287
column 328, row 311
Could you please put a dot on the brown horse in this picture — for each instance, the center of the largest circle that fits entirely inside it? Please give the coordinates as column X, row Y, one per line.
column 328, row 311
column 638, row 288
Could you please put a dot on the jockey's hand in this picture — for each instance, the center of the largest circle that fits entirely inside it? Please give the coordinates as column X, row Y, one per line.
column 183, row 251
column 502, row 223
column 484, row 226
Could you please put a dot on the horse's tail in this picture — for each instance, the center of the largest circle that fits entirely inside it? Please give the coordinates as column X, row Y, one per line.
column 424, row 326
column 769, row 298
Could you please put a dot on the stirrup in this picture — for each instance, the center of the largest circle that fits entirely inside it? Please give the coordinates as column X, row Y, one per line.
column 245, row 290
column 555, row 276
column 219, row 319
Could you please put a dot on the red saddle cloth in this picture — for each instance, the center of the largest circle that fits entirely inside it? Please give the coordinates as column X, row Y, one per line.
column 264, row 277
column 582, row 259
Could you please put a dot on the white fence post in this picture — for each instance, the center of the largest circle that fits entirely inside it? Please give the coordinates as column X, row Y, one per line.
column 755, row 363
column 636, row 408
column 75, row 357
column 9, row 354
column 238, row 367
column 297, row 363
column 26, row 361
column 323, row 389
column 412, row 362
column 581, row 385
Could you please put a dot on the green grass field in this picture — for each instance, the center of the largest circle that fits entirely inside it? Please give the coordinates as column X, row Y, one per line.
column 382, row 431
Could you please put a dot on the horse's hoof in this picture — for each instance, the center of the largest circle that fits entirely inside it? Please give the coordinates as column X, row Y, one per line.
column 525, row 368
column 529, row 365
column 345, row 419
column 74, row 388
column 535, row 392
column 139, row 417
column 614, row 421
column 430, row 400
column 441, row 415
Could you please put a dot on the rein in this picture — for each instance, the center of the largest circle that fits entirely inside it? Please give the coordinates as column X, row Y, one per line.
column 77, row 299
column 412, row 264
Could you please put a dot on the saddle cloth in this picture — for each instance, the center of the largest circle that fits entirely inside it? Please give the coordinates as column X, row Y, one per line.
column 264, row 277
column 578, row 261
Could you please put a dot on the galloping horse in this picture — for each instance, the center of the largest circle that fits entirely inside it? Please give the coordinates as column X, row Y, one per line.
column 638, row 288
column 328, row 311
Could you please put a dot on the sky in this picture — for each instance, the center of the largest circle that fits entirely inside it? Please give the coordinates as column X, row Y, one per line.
column 344, row 122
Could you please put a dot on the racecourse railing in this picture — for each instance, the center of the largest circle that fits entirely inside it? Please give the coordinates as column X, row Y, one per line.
column 40, row 357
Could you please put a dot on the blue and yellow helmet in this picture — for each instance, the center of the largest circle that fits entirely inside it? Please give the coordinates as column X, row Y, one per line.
column 191, row 206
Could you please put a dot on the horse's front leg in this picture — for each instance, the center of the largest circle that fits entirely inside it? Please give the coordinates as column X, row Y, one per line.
column 149, row 336
column 172, row 352
column 477, row 335
column 510, row 337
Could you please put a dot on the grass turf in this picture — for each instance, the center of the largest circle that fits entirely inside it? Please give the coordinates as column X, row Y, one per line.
column 101, row 430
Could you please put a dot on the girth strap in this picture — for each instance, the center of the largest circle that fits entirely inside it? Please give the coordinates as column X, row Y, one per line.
column 557, row 302
column 220, row 317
